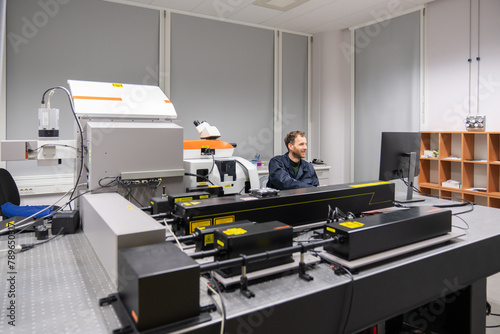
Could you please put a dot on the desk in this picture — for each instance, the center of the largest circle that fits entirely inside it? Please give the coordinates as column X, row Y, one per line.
column 58, row 285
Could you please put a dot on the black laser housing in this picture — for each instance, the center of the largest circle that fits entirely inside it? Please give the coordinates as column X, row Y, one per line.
column 251, row 239
column 158, row 285
column 166, row 204
column 205, row 236
column 294, row 207
column 373, row 234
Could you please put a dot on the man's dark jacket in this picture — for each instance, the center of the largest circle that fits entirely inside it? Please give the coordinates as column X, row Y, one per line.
column 281, row 175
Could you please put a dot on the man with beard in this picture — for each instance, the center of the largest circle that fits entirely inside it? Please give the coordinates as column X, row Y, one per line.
column 290, row 170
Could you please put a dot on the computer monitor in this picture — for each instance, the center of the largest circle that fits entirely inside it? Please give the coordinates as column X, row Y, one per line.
column 399, row 158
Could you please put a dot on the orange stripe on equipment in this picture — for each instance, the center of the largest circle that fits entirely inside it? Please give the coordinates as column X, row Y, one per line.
column 212, row 144
column 97, row 98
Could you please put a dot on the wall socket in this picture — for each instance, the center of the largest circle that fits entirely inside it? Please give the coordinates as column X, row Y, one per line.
column 26, row 190
column 475, row 123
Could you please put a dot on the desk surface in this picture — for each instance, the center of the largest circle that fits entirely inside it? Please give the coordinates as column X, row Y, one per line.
column 58, row 284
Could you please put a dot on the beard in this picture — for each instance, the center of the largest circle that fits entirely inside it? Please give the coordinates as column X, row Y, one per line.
column 297, row 154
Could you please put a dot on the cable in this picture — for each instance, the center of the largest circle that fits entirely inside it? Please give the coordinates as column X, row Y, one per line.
column 213, row 165
column 465, row 211
column 204, row 177
column 442, row 197
column 465, row 202
column 222, row 305
column 53, row 237
column 70, row 99
column 488, row 312
column 39, row 148
column 470, row 54
column 173, row 234
column 115, row 180
column 478, row 58
column 239, row 192
column 81, row 194
column 25, row 247
column 48, row 100
column 462, row 228
column 351, row 297
column 49, row 215
column 128, row 195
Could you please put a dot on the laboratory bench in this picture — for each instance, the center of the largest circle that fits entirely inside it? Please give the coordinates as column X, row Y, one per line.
column 55, row 288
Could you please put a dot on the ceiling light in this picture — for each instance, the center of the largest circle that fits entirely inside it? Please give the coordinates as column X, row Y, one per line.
column 282, row 5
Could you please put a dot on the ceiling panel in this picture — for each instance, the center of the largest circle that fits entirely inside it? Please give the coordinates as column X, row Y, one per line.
column 310, row 17
column 222, row 8
column 295, row 12
column 254, row 14
column 182, row 5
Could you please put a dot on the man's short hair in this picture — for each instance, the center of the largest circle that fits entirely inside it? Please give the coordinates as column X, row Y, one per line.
column 290, row 138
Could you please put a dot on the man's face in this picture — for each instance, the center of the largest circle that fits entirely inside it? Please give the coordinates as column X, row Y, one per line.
column 298, row 149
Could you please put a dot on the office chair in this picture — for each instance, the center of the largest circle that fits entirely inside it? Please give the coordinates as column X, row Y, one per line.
column 263, row 181
column 10, row 199
column 8, row 189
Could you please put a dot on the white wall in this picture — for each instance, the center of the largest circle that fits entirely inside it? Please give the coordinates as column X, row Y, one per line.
column 331, row 101
column 447, row 68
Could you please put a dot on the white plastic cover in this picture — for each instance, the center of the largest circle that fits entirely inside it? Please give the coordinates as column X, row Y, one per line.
column 117, row 100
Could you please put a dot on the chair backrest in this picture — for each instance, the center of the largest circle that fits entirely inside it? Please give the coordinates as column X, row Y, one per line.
column 8, row 189
column 263, row 181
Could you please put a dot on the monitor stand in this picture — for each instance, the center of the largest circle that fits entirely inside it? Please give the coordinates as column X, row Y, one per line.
column 411, row 179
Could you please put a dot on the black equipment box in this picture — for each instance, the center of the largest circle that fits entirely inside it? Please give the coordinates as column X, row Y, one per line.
column 213, row 190
column 69, row 220
column 166, row 204
column 293, row 207
column 251, row 239
column 205, row 236
column 158, row 284
column 373, row 234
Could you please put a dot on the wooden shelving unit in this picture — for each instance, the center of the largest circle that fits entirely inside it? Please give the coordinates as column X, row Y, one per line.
column 472, row 158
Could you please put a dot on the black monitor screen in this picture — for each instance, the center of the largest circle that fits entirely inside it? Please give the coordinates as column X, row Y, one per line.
column 395, row 154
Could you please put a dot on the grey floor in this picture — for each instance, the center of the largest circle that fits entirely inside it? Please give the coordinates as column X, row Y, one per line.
column 494, row 300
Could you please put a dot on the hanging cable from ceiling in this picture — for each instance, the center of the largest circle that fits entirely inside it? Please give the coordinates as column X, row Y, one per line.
column 474, row 121
column 470, row 56
column 478, row 58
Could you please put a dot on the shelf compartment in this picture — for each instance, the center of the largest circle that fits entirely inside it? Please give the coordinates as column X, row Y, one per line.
column 450, row 145
column 474, row 175
column 451, row 193
column 493, row 178
column 449, row 170
column 473, row 158
column 431, row 190
column 429, row 142
column 428, row 171
column 479, row 162
column 494, row 202
column 478, row 198
column 474, row 146
column 429, row 185
column 494, row 148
